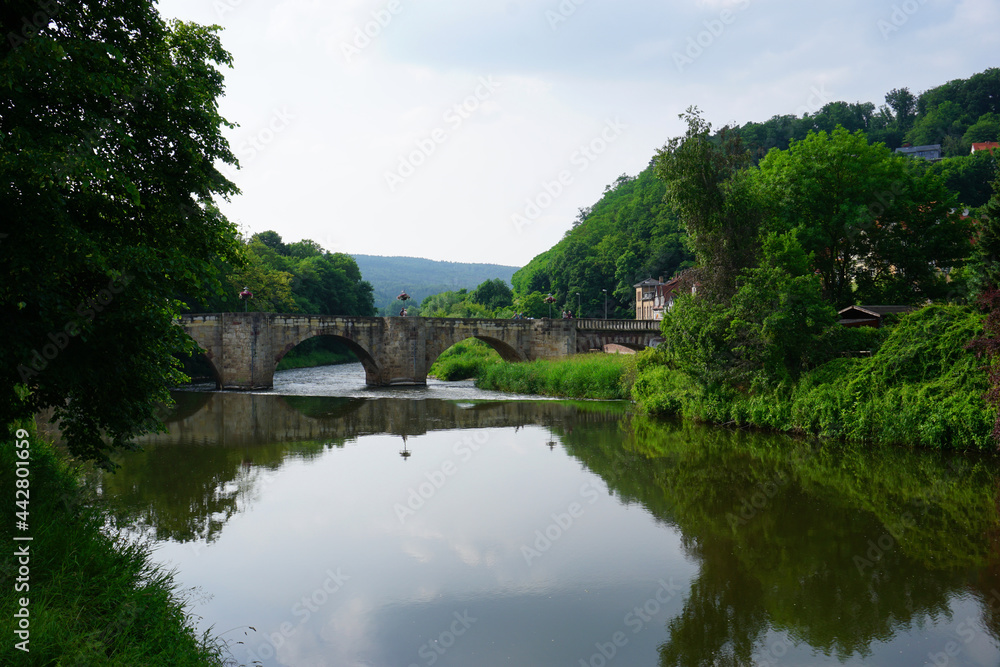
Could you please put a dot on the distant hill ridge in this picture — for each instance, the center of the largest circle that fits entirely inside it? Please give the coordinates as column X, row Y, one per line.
column 421, row 278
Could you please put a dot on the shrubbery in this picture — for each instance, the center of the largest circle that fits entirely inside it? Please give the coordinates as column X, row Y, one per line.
column 464, row 360
column 919, row 387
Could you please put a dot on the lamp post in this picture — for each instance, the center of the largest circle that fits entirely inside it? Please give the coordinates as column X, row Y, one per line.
column 605, row 303
column 578, row 314
column 549, row 300
column 404, row 297
column 245, row 297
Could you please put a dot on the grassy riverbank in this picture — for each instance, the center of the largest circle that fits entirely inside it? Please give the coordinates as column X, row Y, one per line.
column 467, row 359
column 920, row 387
column 605, row 376
column 95, row 597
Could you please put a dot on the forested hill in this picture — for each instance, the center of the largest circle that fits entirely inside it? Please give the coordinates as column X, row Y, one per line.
column 421, row 278
column 631, row 234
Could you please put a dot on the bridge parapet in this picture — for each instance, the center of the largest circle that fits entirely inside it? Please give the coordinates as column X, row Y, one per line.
column 617, row 325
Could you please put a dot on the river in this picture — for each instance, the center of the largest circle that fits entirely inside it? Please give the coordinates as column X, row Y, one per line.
column 328, row 524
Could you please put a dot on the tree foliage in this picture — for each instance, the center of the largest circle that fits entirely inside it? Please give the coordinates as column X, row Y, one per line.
column 707, row 183
column 879, row 226
column 110, row 139
column 298, row 277
column 969, row 176
column 944, row 115
column 492, row 298
column 493, row 294
column 629, row 235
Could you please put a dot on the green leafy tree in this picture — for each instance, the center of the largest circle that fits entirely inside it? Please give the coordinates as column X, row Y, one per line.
column 271, row 287
column 904, row 107
column 532, row 305
column 111, row 137
column 968, row 176
column 493, row 294
column 777, row 314
column 694, row 331
column 878, row 226
column 289, row 278
column 944, row 124
column 707, row 183
column 987, row 128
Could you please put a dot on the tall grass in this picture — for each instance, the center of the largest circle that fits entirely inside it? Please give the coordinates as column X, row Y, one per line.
column 95, row 597
column 606, row 376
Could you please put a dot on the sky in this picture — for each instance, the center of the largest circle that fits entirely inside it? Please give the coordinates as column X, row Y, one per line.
column 474, row 130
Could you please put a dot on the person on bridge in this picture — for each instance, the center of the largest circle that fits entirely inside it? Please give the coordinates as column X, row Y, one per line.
column 402, row 313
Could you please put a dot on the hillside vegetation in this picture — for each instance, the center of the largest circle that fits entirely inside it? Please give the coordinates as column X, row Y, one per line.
column 632, row 233
column 778, row 225
column 421, row 278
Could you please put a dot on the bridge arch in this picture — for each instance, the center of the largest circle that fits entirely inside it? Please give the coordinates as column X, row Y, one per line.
column 506, row 351
column 203, row 359
column 366, row 358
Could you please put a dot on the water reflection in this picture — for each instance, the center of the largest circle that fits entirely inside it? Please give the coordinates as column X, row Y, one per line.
column 218, row 447
column 783, row 552
column 839, row 550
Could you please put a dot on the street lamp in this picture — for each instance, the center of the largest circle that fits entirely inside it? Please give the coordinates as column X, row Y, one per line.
column 605, row 303
column 245, row 297
column 404, row 297
column 549, row 300
column 578, row 313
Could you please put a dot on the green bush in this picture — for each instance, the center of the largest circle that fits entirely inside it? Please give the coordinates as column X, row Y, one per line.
column 920, row 387
column 464, row 360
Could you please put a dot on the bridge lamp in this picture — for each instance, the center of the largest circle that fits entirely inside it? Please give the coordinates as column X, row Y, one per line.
column 578, row 313
column 549, row 300
column 245, row 297
column 404, row 297
column 605, row 303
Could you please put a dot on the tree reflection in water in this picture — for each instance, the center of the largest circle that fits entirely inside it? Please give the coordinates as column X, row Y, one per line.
column 838, row 548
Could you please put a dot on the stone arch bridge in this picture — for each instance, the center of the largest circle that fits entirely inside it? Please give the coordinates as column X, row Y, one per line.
column 244, row 348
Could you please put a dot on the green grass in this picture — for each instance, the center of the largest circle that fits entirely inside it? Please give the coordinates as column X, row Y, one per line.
column 96, row 598
column 313, row 358
column 464, row 360
column 605, row 376
column 920, row 388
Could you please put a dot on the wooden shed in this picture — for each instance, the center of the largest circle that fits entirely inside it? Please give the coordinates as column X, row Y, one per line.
column 868, row 316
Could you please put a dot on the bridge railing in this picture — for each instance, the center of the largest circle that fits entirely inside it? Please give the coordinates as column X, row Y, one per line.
column 617, row 325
